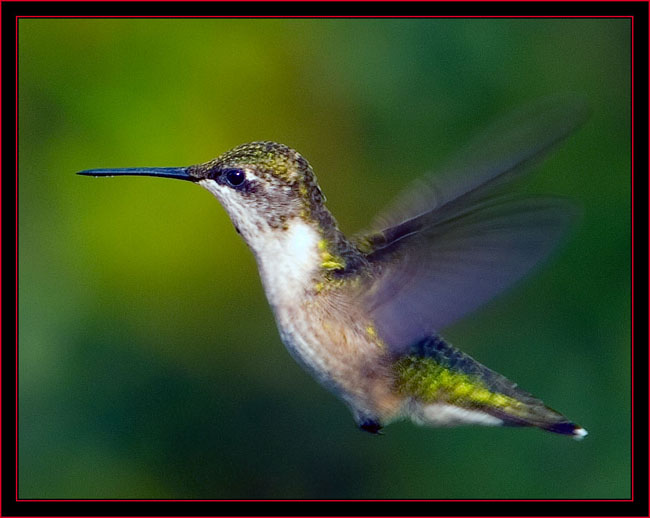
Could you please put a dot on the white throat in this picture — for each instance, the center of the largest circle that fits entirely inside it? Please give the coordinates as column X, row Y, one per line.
column 287, row 260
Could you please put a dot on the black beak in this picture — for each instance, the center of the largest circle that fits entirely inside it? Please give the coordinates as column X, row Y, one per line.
column 179, row 173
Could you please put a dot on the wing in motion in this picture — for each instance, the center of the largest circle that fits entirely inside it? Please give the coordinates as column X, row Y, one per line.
column 456, row 239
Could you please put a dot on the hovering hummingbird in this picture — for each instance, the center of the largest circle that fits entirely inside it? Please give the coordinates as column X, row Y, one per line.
column 363, row 314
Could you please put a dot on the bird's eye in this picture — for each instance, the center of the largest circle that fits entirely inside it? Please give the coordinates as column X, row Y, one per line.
column 235, row 177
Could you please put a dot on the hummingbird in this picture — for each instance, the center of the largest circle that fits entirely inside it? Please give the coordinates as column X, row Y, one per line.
column 363, row 314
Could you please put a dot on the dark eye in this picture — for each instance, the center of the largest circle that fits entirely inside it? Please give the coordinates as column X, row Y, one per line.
column 235, row 177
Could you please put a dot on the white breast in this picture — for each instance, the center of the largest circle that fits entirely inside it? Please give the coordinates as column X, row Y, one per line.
column 288, row 264
column 288, row 261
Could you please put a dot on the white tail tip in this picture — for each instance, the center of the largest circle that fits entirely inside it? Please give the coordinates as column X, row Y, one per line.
column 579, row 434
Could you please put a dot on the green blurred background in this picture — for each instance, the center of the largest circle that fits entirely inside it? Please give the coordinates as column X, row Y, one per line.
column 149, row 361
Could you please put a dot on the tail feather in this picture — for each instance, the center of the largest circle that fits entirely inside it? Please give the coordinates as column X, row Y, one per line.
column 448, row 387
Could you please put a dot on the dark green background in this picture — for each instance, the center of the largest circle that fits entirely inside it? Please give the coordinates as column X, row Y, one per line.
column 150, row 365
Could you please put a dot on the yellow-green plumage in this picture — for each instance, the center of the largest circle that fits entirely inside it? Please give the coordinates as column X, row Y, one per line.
column 435, row 372
column 362, row 315
column 428, row 381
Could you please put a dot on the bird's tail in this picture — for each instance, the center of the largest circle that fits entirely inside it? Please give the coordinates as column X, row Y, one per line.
column 446, row 387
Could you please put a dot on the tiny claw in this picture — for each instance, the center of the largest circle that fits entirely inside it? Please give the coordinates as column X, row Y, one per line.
column 372, row 427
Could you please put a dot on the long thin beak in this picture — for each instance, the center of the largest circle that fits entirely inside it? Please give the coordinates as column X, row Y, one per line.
column 179, row 173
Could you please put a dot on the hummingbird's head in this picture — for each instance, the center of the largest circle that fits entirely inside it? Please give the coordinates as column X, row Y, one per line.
column 262, row 185
column 266, row 188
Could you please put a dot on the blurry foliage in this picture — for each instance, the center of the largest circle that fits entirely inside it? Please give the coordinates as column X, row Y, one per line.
column 150, row 365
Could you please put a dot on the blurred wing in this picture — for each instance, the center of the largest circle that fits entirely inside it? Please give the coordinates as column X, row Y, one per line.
column 433, row 277
column 458, row 241
column 498, row 155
